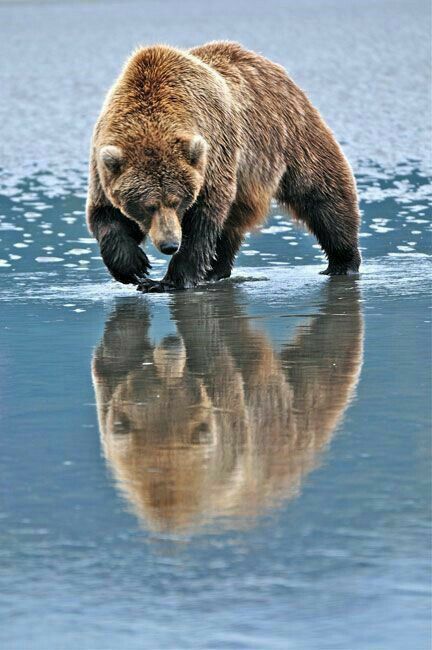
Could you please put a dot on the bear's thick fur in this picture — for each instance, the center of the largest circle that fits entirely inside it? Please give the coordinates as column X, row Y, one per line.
column 190, row 148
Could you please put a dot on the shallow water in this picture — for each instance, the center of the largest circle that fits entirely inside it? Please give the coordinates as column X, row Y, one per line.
column 246, row 465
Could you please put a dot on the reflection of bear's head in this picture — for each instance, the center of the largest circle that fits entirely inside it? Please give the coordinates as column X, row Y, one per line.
column 212, row 421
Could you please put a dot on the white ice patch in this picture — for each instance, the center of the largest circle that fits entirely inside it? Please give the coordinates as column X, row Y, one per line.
column 78, row 251
column 273, row 230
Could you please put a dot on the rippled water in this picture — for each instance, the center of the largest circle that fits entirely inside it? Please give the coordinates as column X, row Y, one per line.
column 246, row 465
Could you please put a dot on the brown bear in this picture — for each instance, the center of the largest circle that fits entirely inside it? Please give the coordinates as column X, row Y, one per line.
column 190, row 148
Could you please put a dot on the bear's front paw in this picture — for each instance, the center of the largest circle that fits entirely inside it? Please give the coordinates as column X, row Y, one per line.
column 125, row 260
column 147, row 285
column 181, row 274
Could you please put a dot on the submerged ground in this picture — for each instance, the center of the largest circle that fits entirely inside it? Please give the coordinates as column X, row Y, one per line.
column 241, row 466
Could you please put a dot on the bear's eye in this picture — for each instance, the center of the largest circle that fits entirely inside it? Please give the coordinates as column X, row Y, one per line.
column 173, row 202
column 151, row 209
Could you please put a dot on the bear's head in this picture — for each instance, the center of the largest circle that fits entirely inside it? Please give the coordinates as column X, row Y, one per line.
column 154, row 183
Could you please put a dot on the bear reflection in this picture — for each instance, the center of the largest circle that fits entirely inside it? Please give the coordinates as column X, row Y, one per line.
column 213, row 421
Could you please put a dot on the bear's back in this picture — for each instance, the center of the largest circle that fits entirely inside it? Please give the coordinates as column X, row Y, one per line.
column 236, row 63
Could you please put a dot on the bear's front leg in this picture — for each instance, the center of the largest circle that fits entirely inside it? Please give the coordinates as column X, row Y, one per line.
column 201, row 226
column 119, row 240
column 184, row 272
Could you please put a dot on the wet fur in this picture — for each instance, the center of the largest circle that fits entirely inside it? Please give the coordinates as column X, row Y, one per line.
column 265, row 140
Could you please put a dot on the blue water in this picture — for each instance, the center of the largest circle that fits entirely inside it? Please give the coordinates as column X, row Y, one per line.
column 246, row 465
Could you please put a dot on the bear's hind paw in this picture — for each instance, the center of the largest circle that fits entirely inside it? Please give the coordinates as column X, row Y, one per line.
column 344, row 263
column 334, row 269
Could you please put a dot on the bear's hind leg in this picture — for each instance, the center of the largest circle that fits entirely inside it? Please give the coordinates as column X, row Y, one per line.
column 337, row 233
column 335, row 223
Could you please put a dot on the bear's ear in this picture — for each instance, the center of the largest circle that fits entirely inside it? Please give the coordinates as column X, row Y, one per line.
column 196, row 150
column 111, row 157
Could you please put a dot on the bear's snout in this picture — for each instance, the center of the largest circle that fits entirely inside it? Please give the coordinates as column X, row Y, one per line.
column 165, row 231
column 169, row 247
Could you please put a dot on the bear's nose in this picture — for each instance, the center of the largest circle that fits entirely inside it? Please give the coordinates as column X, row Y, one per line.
column 169, row 247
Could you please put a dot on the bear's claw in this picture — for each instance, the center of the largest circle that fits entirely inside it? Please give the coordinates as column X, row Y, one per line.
column 147, row 285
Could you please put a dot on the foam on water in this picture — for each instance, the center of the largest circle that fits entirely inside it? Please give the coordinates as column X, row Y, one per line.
column 45, row 230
